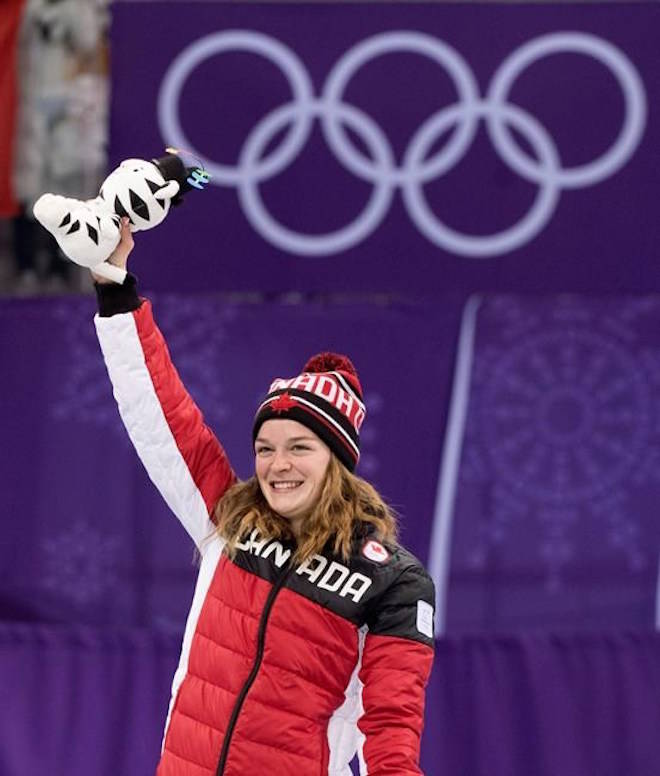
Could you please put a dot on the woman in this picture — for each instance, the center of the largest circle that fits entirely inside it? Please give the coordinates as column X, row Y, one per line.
column 310, row 634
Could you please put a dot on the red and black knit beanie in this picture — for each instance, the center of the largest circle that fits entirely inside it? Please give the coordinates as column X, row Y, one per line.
column 327, row 398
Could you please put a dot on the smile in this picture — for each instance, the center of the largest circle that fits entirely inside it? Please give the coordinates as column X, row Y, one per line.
column 286, row 485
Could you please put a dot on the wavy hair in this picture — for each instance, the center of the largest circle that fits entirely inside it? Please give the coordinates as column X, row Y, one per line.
column 346, row 502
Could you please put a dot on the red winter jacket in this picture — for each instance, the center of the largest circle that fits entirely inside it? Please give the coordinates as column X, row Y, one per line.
column 284, row 670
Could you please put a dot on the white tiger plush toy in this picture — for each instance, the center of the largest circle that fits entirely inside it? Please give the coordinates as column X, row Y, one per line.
column 88, row 232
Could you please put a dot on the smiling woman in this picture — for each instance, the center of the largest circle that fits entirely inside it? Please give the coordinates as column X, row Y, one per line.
column 291, row 464
column 301, row 488
column 310, row 636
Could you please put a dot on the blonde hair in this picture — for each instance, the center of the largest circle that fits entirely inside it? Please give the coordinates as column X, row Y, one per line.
column 345, row 502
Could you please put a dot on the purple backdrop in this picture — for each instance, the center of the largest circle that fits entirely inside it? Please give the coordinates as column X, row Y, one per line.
column 95, row 574
column 407, row 175
column 554, row 429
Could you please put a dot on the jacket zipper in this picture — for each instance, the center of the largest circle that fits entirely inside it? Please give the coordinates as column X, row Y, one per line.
column 261, row 640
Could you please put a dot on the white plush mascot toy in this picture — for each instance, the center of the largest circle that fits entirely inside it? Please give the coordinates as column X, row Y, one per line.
column 88, row 232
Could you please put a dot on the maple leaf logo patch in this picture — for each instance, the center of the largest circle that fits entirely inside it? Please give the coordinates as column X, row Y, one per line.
column 283, row 403
column 375, row 552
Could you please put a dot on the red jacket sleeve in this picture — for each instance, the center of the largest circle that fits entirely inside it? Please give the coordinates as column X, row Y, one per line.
column 179, row 451
column 396, row 664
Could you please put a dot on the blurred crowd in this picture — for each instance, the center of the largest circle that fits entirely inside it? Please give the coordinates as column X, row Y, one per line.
column 60, row 142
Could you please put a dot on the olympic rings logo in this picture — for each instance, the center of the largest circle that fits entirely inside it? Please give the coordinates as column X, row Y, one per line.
column 417, row 167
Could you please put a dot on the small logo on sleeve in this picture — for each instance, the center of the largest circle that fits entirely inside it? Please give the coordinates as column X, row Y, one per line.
column 375, row 551
column 425, row 618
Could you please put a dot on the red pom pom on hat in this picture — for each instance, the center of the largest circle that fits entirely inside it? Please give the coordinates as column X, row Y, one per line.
column 330, row 362
column 333, row 362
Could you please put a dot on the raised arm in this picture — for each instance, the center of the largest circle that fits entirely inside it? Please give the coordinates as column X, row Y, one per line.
column 396, row 664
column 180, row 453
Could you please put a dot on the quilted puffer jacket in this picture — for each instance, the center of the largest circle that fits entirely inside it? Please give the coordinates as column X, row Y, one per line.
column 284, row 669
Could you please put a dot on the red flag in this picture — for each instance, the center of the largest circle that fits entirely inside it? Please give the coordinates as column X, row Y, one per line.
column 10, row 18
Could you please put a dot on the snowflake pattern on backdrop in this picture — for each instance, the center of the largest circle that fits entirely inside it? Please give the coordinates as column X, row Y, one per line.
column 83, row 393
column 562, row 424
column 195, row 330
column 81, row 564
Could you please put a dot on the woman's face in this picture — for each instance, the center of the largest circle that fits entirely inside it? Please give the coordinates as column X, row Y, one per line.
column 290, row 464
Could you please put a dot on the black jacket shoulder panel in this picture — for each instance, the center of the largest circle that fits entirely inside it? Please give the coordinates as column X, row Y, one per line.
column 406, row 606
